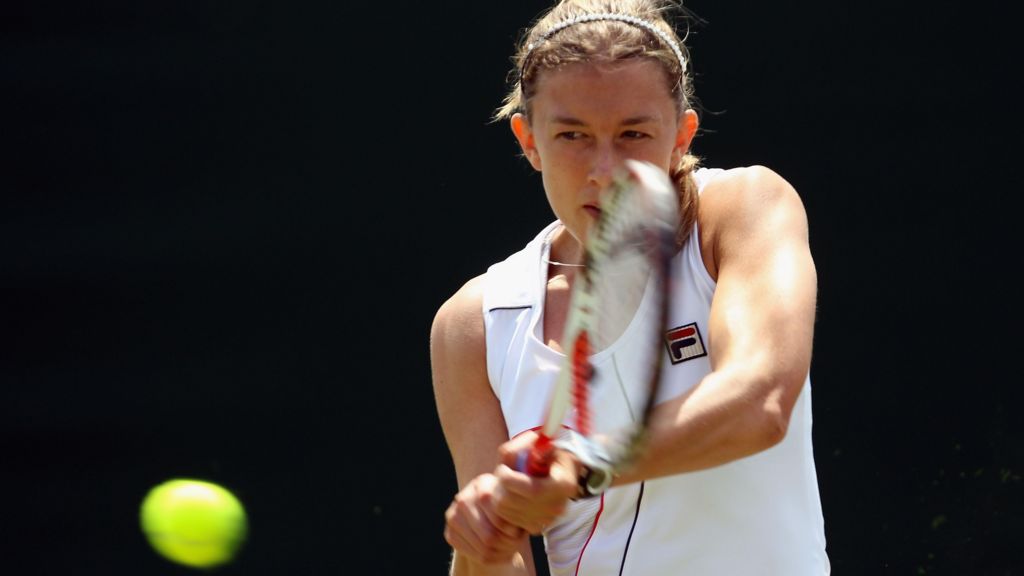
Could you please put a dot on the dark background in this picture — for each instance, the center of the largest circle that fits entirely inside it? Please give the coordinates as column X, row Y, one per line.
column 225, row 228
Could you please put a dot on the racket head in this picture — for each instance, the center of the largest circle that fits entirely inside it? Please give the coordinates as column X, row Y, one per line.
column 618, row 306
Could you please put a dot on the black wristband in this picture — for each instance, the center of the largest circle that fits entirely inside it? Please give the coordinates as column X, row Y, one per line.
column 593, row 481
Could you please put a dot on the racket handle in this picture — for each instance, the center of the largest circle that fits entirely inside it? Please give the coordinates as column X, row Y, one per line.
column 537, row 460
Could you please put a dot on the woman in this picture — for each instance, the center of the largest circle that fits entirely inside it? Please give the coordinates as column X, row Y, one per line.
column 727, row 484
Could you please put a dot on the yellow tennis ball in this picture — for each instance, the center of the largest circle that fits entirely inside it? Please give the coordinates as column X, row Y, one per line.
column 193, row 522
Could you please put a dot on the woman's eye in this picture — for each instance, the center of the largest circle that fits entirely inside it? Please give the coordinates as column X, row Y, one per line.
column 570, row 135
column 633, row 135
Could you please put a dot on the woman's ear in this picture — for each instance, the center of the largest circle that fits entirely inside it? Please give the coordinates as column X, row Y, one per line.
column 687, row 128
column 521, row 128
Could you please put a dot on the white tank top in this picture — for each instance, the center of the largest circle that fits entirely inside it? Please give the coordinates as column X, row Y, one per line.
column 759, row 515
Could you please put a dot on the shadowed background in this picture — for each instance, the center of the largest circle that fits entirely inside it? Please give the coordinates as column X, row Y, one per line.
column 225, row 228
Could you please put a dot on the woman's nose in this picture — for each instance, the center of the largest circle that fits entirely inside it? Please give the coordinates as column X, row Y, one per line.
column 603, row 165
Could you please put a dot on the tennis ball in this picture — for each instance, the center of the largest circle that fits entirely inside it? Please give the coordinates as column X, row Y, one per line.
column 193, row 522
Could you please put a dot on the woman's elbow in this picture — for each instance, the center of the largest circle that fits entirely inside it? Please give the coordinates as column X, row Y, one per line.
column 774, row 425
column 775, row 413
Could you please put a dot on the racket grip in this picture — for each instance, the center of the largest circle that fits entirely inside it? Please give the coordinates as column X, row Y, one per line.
column 537, row 460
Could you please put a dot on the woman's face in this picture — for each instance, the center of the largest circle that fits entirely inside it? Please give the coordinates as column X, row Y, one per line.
column 586, row 119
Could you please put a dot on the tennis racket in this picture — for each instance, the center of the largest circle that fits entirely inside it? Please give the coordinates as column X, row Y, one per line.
column 614, row 339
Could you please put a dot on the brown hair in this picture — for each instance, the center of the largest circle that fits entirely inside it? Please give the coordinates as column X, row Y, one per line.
column 607, row 40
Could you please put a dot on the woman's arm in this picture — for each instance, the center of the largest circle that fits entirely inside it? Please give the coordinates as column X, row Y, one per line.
column 474, row 428
column 755, row 244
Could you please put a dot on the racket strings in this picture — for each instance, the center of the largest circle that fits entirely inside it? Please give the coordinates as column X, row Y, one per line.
column 620, row 262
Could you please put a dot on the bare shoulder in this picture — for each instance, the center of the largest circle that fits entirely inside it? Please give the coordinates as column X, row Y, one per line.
column 748, row 205
column 748, row 190
column 458, row 322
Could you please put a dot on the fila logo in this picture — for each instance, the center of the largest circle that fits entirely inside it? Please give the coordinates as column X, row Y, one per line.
column 684, row 343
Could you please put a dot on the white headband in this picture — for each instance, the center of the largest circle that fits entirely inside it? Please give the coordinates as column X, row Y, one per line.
column 638, row 22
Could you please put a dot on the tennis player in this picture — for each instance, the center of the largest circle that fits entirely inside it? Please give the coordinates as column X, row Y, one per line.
column 727, row 485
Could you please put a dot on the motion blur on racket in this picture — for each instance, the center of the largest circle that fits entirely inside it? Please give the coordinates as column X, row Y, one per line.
column 614, row 331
